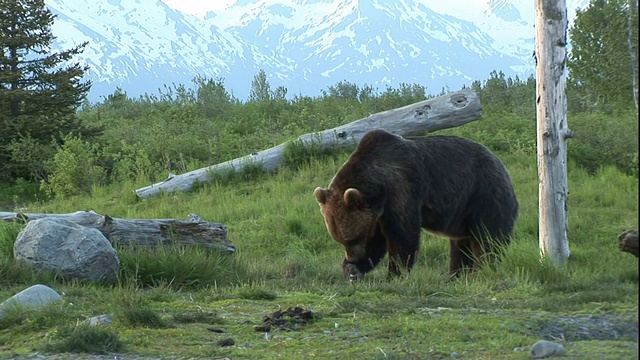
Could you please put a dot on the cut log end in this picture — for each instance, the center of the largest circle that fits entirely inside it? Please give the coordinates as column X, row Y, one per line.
column 628, row 242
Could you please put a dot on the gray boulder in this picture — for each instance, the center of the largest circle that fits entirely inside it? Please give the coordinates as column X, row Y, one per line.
column 544, row 349
column 31, row 298
column 74, row 251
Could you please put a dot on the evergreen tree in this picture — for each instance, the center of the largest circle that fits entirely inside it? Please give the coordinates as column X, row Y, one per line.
column 600, row 62
column 39, row 92
column 260, row 88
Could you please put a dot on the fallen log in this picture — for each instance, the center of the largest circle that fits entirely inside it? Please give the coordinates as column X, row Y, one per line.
column 628, row 242
column 143, row 232
column 446, row 111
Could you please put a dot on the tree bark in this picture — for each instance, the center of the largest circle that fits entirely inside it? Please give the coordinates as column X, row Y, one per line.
column 143, row 232
column 552, row 129
column 442, row 112
column 628, row 242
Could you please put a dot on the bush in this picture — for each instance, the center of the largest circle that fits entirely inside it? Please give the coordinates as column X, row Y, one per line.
column 74, row 169
column 604, row 140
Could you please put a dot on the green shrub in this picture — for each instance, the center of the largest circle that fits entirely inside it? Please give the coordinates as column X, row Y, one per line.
column 74, row 169
column 602, row 140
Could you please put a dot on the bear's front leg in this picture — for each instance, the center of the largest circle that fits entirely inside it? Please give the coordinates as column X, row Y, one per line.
column 464, row 254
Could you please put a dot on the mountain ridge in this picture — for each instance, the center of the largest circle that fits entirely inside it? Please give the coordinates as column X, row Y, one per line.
column 305, row 46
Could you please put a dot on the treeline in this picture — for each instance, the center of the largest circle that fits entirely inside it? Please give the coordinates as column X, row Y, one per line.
column 181, row 129
column 50, row 134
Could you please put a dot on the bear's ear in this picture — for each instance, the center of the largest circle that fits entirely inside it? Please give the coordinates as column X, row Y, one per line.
column 321, row 195
column 353, row 198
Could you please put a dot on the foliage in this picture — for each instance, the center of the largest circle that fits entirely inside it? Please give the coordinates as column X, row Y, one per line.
column 600, row 63
column 501, row 94
column 602, row 140
column 212, row 99
column 260, row 88
column 64, row 178
column 39, row 93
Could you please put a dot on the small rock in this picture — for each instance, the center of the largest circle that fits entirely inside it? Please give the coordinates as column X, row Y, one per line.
column 520, row 349
column 543, row 349
column 215, row 330
column 226, row 342
column 99, row 320
column 455, row 355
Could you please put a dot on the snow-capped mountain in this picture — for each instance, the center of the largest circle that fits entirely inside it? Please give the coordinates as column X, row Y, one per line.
column 303, row 45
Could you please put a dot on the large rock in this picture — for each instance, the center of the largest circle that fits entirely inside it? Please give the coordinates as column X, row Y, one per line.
column 72, row 250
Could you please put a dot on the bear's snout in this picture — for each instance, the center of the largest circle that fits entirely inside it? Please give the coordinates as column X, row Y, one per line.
column 352, row 272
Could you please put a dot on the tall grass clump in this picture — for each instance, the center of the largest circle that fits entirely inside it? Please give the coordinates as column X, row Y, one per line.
column 179, row 266
column 298, row 154
column 84, row 338
column 249, row 170
column 8, row 234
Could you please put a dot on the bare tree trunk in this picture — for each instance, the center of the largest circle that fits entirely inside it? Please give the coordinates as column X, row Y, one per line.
column 552, row 128
column 442, row 112
column 632, row 37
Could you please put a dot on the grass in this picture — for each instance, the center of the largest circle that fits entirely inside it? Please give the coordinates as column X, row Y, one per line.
column 166, row 299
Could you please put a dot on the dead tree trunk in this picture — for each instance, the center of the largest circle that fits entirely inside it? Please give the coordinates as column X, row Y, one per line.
column 143, row 232
column 552, row 128
column 442, row 112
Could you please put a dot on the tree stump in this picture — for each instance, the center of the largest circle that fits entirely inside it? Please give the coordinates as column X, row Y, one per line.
column 628, row 242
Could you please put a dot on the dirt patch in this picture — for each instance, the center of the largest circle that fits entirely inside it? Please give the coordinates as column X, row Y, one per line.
column 290, row 319
column 576, row 328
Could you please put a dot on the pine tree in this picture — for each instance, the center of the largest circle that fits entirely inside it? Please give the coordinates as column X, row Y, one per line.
column 39, row 91
column 260, row 88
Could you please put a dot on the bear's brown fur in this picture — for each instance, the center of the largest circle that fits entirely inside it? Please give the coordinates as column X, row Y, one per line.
column 391, row 187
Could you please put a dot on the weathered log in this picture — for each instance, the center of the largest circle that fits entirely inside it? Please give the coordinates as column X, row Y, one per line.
column 143, row 232
column 446, row 111
column 628, row 242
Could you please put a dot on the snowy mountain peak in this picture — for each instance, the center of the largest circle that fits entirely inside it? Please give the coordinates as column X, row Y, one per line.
column 303, row 45
column 504, row 10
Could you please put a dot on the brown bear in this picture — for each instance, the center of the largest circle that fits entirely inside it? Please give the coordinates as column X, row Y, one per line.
column 391, row 187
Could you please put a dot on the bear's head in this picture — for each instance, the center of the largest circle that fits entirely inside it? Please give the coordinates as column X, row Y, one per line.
column 351, row 222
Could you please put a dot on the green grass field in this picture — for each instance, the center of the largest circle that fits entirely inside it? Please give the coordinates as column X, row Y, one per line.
column 166, row 299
